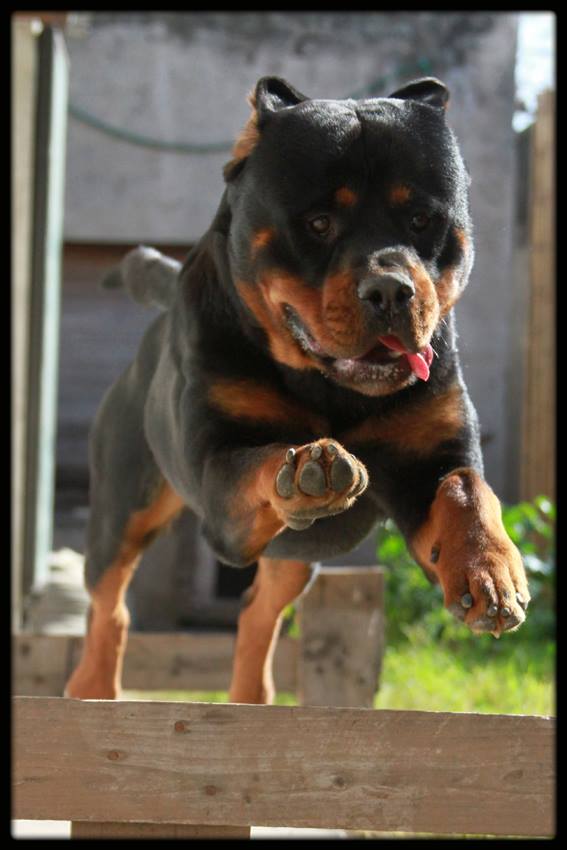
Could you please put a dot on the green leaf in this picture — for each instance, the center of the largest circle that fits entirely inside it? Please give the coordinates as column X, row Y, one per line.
column 546, row 506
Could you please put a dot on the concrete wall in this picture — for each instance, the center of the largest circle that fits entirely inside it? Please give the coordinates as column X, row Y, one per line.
column 185, row 78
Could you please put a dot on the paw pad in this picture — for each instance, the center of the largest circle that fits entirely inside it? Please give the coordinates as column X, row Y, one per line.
column 322, row 471
column 285, row 479
column 312, row 480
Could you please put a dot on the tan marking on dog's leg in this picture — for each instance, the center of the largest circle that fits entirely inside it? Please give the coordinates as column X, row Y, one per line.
column 465, row 545
column 99, row 673
column 277, row 583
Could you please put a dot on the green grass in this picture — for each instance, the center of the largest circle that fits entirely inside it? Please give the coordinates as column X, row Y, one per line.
column 196, row 696
column 443, row 677
column 440, row 678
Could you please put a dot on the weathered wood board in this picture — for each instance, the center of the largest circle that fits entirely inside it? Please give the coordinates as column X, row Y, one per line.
column 244, row 765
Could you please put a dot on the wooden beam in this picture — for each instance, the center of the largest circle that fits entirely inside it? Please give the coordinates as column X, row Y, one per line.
column 244, row 765
column 89, row 829
column 42, row 664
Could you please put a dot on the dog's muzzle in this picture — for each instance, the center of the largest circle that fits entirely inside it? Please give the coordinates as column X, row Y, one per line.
column 389, row 288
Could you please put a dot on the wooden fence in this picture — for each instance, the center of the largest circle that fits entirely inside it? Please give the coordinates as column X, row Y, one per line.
column 336, row 661
column 157, row 769
column 538, row 459
column 151, row 769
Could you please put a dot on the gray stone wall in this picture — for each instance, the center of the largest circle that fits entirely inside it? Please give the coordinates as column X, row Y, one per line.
column 185, row 78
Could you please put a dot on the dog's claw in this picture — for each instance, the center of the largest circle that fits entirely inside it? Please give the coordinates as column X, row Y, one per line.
column 284, row 481
column 521, row 601
column 483, row 624
column 467, row 600
column 316, row 452
column 290, row 455
column 513, row 619
column 332, row 450
column 457, row 611
column 492, row 611
column 363, row 483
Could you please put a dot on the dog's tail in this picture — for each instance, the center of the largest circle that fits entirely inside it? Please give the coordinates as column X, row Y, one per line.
column 148, row 276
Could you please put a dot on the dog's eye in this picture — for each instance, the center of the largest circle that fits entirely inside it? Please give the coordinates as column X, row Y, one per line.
column 420, row 222
column 320, row 225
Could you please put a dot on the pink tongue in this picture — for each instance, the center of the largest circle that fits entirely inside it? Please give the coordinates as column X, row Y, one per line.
column 419, row 363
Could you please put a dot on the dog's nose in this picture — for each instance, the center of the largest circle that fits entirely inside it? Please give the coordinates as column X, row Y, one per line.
column 387, row 291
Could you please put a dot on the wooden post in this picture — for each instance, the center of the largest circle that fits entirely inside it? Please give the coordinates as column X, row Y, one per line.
column 49, row 170
column 538, row 427
column 342, row 637
column 24, row 61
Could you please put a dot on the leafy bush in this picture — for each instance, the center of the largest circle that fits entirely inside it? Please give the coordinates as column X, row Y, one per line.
column 414, row 607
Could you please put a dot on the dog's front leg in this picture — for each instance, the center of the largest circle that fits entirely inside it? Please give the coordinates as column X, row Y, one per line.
column 277, row 583
column 251, row 495
column 464, row 545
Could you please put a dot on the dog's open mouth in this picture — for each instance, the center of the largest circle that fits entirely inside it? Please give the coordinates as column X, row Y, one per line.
column 388, row 355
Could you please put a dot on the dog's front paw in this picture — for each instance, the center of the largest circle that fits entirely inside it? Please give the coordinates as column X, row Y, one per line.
column 489, row 591
column 317, row 480
column 464, row 545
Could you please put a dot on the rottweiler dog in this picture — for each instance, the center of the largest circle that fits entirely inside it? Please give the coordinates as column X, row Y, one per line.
column 302, row 381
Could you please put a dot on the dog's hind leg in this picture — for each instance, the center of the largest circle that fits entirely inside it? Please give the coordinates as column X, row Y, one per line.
column 98, row 675
column 130, row 501
column 276, row 584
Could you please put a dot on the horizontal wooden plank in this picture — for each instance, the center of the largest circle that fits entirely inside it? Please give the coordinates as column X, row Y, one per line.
column 40, row 664
column 247, row 765
column 167, row 661
column 92, row 829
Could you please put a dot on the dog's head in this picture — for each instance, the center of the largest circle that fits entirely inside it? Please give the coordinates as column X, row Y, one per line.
column 350, row 238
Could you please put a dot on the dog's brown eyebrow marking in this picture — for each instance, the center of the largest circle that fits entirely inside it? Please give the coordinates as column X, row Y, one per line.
column 261, row 238
column 400, row 194
column 243, row 398
column 345, row 197
column 419, row 429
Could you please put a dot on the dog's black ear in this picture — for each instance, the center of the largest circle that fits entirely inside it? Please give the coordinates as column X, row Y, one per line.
column 426, row 90
column 270, row 95
column 273, row 94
